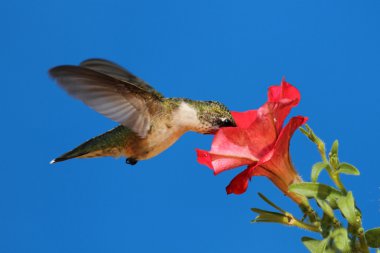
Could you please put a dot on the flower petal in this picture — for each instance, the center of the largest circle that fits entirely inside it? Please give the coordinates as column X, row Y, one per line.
column 244, row 119
column 204, row 157
column 284, row 92
column 239, row 184
column 280, row 162
column 220, row 163
column 237, row 146
column 259, row 141
column 230, row 149
column 275, row 165
column 281, row 99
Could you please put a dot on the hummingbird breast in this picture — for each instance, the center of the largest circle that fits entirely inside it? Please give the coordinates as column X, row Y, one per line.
column 160, row 138
column 166, row 129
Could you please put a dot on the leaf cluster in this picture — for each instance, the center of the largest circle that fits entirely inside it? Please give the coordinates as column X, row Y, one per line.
column 338, row 220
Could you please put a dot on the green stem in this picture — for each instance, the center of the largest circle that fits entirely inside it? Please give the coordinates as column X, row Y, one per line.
column 358, row 229
column 297, row 223
column 362, row 241
column 308, row 211
column 336, row 179
column 334, row 176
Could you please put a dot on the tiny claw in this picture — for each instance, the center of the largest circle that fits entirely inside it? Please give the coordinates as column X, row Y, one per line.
column 131, row 161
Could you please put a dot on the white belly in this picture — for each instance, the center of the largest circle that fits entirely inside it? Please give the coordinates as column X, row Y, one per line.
column 160, row 140
column 165, row 134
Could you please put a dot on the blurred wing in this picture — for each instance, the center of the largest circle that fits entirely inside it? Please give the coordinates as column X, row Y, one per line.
column 121, row 101
column 116, row 71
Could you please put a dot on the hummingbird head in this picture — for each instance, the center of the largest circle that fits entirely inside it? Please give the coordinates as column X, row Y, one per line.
column 212, row 116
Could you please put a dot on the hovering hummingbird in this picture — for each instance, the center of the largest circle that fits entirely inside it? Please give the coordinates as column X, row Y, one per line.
column 150, row 123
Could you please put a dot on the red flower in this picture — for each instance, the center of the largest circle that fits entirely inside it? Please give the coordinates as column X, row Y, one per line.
column 259, row 141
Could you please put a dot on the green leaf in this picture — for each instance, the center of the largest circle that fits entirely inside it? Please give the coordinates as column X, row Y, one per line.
column 373, row 237
column 316, row 246
column 348, row 169
column 316, row 170
column 346, row 204
column 317, row 190
column 333, row 155
column 340, row 240
column 268, row 216
column 334, row 148
column 314, row 190
column 310, row 243
column 337, row 241
column 322, row 246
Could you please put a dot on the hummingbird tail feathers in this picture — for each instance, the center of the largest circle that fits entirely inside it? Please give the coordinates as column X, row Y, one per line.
column 110, row 143
column 69, row 155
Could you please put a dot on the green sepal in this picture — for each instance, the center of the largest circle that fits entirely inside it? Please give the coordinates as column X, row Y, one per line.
column 317, row 190
column 316, row 170
column 341, row 242
column 263, row 197
column 334, row 148
column 325, row 207
column 308, row 132
column 304, row 131
column 373, row 237
column 268, row 216
column 348, row 169
column 346, row 204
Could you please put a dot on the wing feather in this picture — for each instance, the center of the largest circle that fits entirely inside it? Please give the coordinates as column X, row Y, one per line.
column 112, row 69
column 116, row 99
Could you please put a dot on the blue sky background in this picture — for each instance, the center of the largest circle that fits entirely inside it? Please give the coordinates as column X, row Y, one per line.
column 229, row 51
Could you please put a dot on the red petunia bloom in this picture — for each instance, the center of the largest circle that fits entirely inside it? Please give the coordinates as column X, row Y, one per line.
column 259, row 141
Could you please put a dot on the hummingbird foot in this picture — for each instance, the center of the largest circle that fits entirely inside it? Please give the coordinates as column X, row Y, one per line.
column 131, row 161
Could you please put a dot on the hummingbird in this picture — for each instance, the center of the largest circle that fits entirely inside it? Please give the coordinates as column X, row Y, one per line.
column 149, row 122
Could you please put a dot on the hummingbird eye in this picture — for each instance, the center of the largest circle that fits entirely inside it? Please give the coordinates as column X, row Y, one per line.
column 225, row 122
